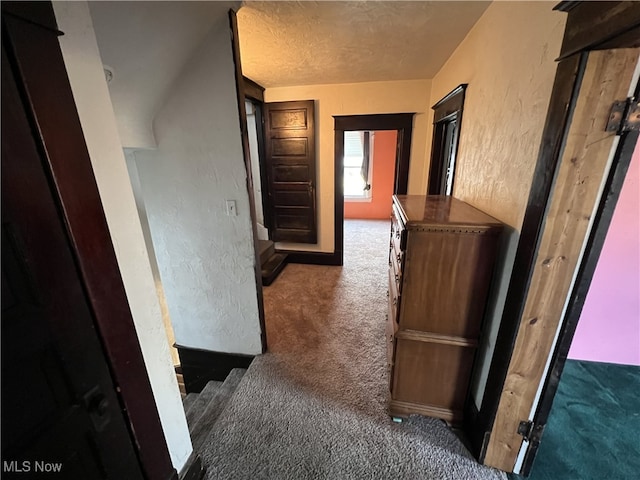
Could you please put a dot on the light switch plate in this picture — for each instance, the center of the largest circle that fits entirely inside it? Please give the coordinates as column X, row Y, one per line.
column 231, row 208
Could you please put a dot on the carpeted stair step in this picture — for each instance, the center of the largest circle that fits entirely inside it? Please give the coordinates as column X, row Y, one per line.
column 187, row 401
column 266, row 249
column 272, row 268
column 214, row 408
column 198, row 405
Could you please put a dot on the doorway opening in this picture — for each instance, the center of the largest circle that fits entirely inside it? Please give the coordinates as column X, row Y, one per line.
column 369, row 167
column 254, row 132
column 446, row 133
column 354, row 171
column 595, row 402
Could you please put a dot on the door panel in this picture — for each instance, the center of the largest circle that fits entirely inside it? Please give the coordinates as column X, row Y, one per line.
column 58, row 401
column 291, row 170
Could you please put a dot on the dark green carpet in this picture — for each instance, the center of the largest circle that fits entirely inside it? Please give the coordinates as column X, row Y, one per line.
column 593, row 430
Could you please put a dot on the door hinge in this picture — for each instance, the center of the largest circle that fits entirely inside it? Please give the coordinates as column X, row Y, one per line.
column 624, row 116
column 530, row 431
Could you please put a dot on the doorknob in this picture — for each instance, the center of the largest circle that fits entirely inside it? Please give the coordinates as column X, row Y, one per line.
column 99, row 405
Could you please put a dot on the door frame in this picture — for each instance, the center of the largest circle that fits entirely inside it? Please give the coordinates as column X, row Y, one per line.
column 246, row 89
column 30, row 34
column 254, row 93
column 586, row 271
column 403, row 124
column 449, row 107
column 590, row 26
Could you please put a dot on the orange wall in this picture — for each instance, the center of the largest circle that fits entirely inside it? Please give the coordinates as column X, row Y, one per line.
column 384, row 162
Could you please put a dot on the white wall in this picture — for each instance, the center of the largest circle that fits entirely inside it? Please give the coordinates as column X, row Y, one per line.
column 206, row 258
column 130, row 157
column 358, row 99
column 508, row 60
column 84, row 67
column 252, row 133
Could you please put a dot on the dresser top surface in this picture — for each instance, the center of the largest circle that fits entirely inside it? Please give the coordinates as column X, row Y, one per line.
column 440, row 210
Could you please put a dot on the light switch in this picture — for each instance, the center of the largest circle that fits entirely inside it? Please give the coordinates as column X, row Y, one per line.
column 231, row 208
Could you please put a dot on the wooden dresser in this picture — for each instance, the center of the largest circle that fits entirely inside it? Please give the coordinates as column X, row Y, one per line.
column 441, row 258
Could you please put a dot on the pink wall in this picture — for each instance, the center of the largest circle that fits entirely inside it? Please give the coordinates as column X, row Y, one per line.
column 384, row 162
column 609, row 328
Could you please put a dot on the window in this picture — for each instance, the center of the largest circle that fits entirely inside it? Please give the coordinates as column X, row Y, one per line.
column 357, row 165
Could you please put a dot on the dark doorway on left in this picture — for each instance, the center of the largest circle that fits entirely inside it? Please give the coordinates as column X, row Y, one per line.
column 60, row 411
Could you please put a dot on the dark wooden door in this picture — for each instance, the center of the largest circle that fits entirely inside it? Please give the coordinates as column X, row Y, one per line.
column 447, row 117
column 60, row 411
column 291, row 170
column 449, row 157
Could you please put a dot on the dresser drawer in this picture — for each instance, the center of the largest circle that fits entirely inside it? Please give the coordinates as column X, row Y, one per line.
column 398, row 231
column 432, row 373
column 394, row 297
column 396, row 257
column 390, row 340
column 391, row 329
column 396, row 261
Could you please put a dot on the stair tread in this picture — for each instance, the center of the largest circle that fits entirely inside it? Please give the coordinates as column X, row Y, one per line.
column 197, row 406
column 188, row 400
column 273, row 267
column 274, row 260
column 215, row 407
column 266, row 248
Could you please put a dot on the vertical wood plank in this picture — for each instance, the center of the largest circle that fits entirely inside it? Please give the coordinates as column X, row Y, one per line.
column 583, row 167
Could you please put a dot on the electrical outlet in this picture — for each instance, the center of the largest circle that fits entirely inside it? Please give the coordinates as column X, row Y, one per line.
column 231, row 208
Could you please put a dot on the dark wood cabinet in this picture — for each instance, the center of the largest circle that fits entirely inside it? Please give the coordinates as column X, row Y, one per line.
column 441, row 258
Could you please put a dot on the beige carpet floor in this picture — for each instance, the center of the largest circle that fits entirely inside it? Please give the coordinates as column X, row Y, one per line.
column 315, row 406
column 327, row 324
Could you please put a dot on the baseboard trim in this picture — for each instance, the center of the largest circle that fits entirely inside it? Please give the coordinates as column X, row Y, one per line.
column 313, row 258
column 193, row 469
column 201, row 366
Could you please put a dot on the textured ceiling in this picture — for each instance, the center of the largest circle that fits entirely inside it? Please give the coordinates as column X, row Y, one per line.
column 305, row 43
column 282, row 43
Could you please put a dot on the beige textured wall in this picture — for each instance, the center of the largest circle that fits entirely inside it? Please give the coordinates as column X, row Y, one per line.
column 358, row 99
column 508, row 61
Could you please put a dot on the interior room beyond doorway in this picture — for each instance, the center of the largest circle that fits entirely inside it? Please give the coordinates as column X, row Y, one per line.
column 369, row 169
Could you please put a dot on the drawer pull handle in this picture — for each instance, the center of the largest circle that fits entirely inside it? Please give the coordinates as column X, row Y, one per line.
column 398, row 257
column 387, row 293
column 397, row 277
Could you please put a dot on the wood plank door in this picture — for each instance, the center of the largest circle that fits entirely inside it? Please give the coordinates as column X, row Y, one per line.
column 60, row 410
column 291, row 170
column 581, row 176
